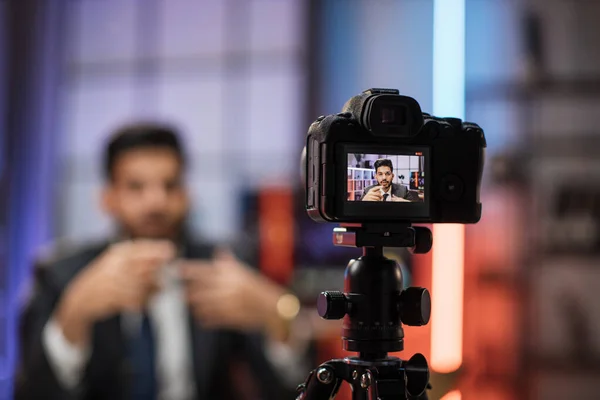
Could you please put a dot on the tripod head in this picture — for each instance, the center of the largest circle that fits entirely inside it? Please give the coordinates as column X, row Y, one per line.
column 374, row 305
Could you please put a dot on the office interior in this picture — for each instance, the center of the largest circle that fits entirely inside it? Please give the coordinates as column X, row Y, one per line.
column 243, row 80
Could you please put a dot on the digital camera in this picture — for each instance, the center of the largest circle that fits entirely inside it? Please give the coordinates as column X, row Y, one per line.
column 382, row 160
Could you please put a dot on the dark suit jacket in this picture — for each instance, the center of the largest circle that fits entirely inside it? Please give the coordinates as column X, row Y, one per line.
column 398, row 190
column 216, row 353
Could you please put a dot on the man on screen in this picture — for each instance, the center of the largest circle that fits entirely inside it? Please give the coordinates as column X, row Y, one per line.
column 386, row 190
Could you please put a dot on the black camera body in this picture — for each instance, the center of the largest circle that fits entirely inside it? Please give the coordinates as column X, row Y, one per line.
column 444, row 158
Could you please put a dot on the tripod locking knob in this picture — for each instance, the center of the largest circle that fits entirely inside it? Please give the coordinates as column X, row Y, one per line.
column 415, row 306
column 331, row 305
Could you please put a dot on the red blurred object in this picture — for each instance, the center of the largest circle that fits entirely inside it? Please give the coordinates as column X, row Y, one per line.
column 276, row 230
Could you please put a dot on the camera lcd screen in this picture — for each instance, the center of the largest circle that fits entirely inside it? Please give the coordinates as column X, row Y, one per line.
column 398, row 178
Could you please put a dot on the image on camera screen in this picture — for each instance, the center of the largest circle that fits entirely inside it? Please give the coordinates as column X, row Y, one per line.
column 380, row 177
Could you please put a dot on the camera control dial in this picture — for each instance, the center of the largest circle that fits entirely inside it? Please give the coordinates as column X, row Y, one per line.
column 332, row 305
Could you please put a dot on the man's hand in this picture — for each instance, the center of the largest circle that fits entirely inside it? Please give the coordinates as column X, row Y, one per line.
column 399, row 199
column 122, row 278
column 225, row 293
column 374, row 194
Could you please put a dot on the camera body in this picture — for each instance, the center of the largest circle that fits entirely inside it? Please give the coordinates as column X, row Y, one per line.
column 443, row 157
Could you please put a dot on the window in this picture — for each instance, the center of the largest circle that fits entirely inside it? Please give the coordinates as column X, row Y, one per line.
column 229, row 74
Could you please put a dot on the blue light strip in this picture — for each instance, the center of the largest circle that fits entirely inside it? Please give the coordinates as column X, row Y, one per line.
column 448, row 239
column 449, row 58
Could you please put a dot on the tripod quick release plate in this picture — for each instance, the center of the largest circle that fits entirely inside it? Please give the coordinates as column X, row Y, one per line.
column 417, row 239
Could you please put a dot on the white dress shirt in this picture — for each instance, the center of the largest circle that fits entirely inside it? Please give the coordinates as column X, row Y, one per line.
column 389, row 192
column 169, row 318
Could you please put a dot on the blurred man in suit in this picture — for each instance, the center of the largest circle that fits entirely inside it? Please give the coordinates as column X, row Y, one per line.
column 151, row 313
column 386, row 190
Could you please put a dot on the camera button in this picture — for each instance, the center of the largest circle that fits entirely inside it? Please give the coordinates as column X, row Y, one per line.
column 456, row 123
column 446, row 131
column 452, row 188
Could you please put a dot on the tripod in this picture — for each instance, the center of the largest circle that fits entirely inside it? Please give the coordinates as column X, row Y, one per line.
column 374, row 306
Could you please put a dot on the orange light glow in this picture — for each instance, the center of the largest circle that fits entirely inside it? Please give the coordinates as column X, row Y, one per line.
column 447, row 297
column 453, row 395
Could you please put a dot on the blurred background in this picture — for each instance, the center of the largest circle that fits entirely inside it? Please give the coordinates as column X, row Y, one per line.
column 244, row 79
